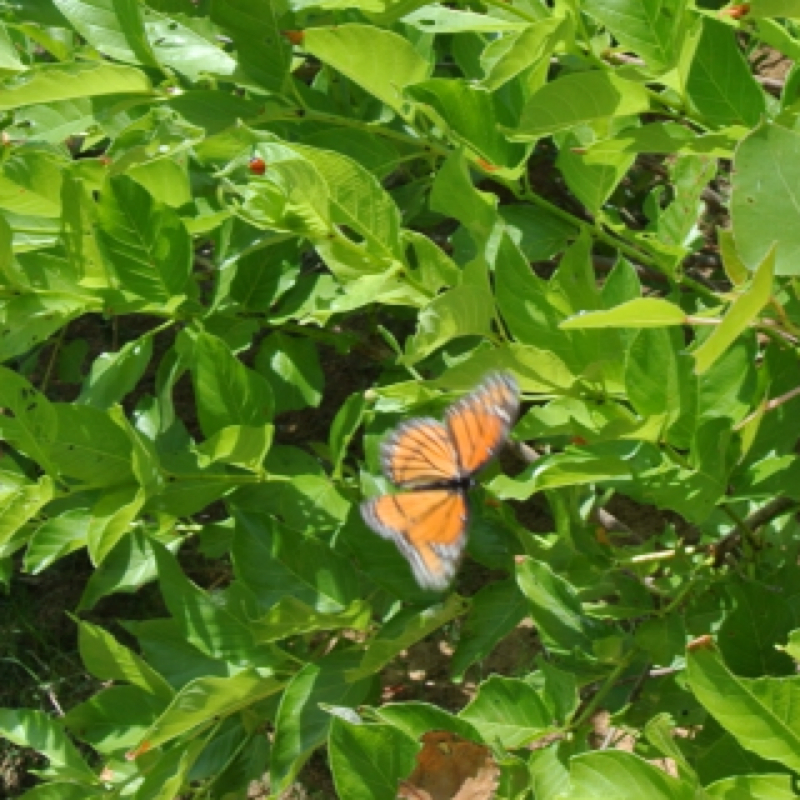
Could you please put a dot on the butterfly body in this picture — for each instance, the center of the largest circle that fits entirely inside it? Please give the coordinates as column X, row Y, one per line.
column 438, row 463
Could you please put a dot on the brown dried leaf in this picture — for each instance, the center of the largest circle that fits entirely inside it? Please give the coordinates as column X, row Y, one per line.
column 451, row 768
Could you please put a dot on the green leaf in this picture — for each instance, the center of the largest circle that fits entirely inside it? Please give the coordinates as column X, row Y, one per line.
column 440, row 19
column 301, row 724
column 147, row 244
column 114, row 720
column 652, row 394
column 200, row 703
column 752, row 787
column 404, row 629
column 213, row 110
column 417, row 718
column 186, row 51
column 720, row 755
column 668, row 137
column 615, row 774
column 354, row 50
column 29, row 421
column 86, row 264
column 129, row 566
column 538, row 232
column 70, row 361
column 719, row 84
column 111, row 518
column 643, row 312
column 243, row 446
column 468, row 115
column 588, row 465
column 454, row 195
column 578, row 99
column 690, row 175
column 275, row 561
column 549, row 771
column 20, row 502
column 462, row 311
column 262, row 53
column 738, row 317
column 522, row 300
column 115, row 375
column 114, row 28
column 90, row 447
column 653, row 31
column 346, row 422
column 760, row 713
column 291, row 366
column 257, row 280
column 28, row 320
column 167, row 651
column 226, row 391
column 509, row 711
column 556, row 610
column 774, row 8
column 592, row 182
column 30, row 183
column 9, row 59
column 292, row 617
column 55, row 538
column 108, row 660
column 292, row 196
column 368, row 761
column 495, row 611
column 506, row 57
column 47, row 83
column 764, row 201
column 171, row 772
column 358, row 202
column 36, row 729
column 659, row 733
column 759, row 620
column 734, row 267
column 213, row 626
column 301, row 494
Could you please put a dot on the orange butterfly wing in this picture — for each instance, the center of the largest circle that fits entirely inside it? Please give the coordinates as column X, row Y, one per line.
column 429, row 525
column 429, row 528
column 479, row 423
column 419, row 452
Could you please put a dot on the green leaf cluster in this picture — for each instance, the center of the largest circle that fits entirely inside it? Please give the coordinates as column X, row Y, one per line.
column 240, row 240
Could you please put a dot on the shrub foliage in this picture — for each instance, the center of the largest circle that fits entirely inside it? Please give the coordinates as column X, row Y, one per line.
column 241, row 239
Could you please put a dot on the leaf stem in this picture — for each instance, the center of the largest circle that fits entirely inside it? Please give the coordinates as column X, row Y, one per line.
column 387, row 133
column 602, row 692
column 52, row 360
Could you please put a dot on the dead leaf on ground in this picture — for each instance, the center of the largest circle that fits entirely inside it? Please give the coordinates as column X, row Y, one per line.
column 451, row 768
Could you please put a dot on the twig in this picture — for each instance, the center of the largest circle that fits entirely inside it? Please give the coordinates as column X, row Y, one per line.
column 770, row 405
column 525, row 452
column 54, row 700
column 52, row 360
column 600, row 695
column 772, row 510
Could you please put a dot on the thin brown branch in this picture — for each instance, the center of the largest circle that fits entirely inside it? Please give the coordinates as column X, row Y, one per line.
column 770, row 405
column 772, row 510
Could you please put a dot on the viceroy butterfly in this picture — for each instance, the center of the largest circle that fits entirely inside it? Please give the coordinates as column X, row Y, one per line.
column 439, row 462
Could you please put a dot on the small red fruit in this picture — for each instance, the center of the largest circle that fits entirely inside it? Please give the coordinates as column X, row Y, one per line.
column 258, row 166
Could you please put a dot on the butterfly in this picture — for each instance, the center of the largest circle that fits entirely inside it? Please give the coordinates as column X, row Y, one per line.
column 439, row 463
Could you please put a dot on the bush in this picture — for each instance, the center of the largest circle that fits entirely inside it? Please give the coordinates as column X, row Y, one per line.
column 242, row 240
